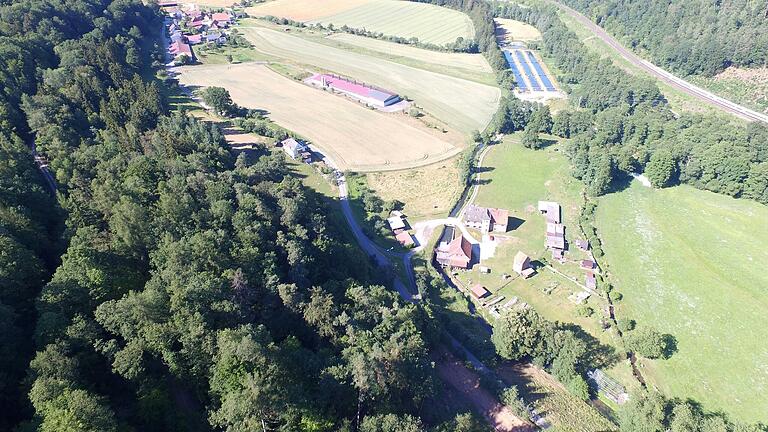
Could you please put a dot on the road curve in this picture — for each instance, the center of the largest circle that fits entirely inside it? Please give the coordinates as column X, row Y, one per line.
column 661, row 74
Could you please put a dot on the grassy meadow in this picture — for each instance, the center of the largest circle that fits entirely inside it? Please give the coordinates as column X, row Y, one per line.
column 692, row 263
column 429, row 23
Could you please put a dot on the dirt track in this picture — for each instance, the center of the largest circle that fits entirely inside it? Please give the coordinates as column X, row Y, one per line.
column 659, row 73
column 453, row 372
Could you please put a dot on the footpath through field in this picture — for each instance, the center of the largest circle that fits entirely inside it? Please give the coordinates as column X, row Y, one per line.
column 661, row 74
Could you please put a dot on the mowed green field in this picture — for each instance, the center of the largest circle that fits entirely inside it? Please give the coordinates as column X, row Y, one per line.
column 464, row 105
column 429, row 23
column 693, row 264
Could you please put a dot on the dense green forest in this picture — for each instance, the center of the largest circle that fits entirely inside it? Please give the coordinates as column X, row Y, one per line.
column 197, row 289
column 689, row 37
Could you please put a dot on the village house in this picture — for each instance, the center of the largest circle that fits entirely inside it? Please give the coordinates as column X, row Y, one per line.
column 456, row 253
column 486, row 219
column 405, row 238
column 396, row 223
column 522, row 265
column 551, row 210
column 555, row 237
column 293, row 148
column 582, row 244
column 588, row 265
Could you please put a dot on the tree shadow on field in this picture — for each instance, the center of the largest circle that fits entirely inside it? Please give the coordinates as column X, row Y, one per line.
column 670, row 345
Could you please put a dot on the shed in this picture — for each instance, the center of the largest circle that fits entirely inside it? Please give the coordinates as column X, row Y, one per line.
column 588, row 264
column 590, row 280
column 551, row 210
column 522, row 265
column 396, row 222
column 405, row 238
column 479, row 291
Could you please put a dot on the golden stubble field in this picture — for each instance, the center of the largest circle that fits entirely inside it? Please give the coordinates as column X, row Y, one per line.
column 303, row 10
column 355, row 137
column 463, row 104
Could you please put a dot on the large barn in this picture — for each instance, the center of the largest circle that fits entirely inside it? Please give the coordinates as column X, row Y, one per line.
column 361, row 92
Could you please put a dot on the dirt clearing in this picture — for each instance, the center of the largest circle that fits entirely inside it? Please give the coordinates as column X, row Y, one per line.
column 355, row 137
column 463, row 104
column 454, row 373
column 473, row 62
column 509, row 30
column 303, row 10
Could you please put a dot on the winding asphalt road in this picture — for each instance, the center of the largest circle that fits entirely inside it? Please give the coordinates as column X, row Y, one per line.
column 661, row 74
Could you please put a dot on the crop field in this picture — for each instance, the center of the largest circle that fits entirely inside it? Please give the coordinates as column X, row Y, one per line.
column 352, row 135
column 692, row 263
column 511, row 30
column 463, row 104
column 429, row 23
column 472, row 62
column 303, row 10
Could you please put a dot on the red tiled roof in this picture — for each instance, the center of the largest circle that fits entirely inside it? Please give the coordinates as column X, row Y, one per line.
column 221, row 17
column 500, row 216
column 478, row 291
column 457, row 253
column 404, row 238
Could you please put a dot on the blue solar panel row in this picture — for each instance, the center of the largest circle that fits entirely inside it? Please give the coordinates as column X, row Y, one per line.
column 518, row 78
column 534, row 82
column 544, row 78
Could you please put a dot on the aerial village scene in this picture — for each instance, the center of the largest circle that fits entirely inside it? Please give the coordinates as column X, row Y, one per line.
column 478, row 249
column 518, row 234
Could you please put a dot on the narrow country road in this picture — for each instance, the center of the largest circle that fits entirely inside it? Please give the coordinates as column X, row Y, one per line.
column 661, row 74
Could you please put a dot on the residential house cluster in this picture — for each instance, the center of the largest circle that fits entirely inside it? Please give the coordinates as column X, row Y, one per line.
column 189, row 25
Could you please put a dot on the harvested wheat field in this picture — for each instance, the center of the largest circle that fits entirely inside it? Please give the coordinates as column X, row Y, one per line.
column 509, row 30
column 353, row 136
column 463, row 104
column 304, row 10
column 471, row 62
column 429, row 23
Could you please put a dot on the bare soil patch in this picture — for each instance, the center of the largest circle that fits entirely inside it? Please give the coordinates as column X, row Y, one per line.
column 355, row 137
column 509, row 30
column 467, row 382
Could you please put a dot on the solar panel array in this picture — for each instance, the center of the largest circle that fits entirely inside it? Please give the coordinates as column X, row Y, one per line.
column 537, row 78
column 518, row 78
column 542, row 75
column 528, row 72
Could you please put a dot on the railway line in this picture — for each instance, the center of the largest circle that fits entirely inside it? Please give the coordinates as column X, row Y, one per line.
column 663, row 75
